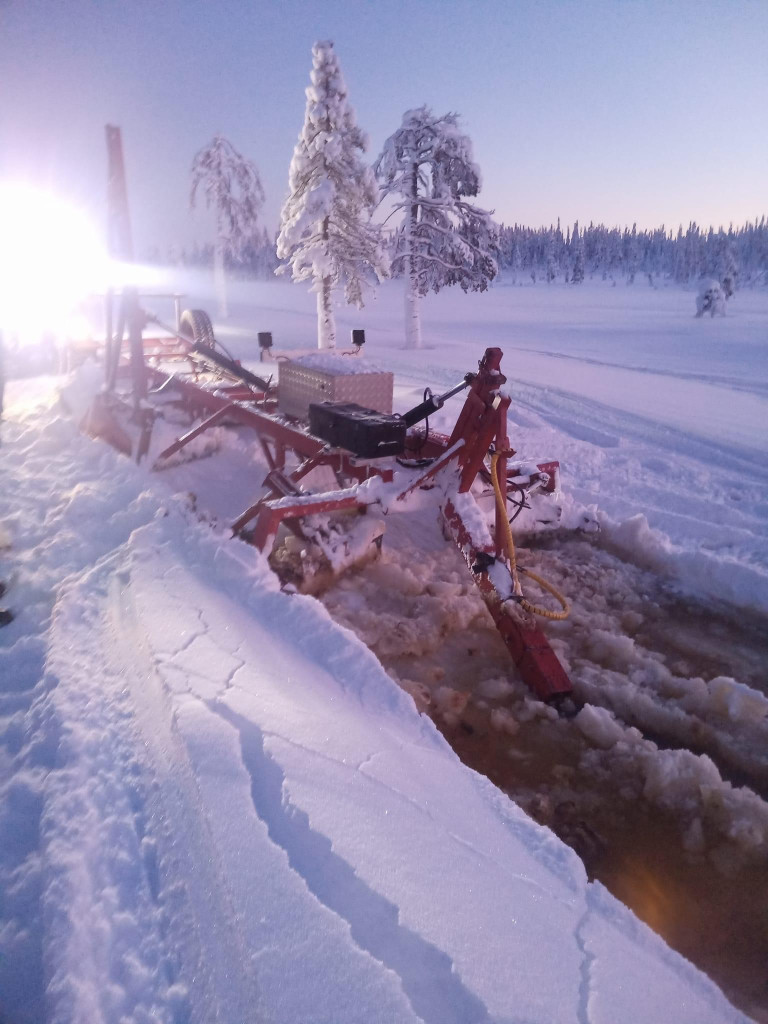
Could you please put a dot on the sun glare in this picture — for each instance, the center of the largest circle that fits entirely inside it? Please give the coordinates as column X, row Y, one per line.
column 51, row 259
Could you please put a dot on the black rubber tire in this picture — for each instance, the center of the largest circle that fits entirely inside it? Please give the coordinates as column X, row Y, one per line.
column 196, row 325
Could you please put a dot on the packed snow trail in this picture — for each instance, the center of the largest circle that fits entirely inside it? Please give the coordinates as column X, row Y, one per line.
column 217, row 805
column 61, row 509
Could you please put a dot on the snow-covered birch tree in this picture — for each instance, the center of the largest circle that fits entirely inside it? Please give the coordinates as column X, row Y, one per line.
column 232, row 187
column 427, row 166
column 326, row 232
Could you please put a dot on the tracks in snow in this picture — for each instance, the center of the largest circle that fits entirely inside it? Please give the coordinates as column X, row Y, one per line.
column 202, row 925
column 428, row 979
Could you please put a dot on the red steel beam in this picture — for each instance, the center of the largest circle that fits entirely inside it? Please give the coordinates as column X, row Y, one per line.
column 537, row 663
column 272, row 513
column 212, row 420
column 481, row 425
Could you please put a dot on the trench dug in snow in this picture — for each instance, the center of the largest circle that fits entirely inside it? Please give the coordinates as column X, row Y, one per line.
column 659, row 783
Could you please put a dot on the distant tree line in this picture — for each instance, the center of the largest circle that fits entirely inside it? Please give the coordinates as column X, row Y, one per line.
column 738, row 256
column 547, row 254
column 257, row 259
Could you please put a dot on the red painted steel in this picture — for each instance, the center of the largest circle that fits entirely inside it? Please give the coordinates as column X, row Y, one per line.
column 206, row 424
column 480, row 421
column 480, row 428
column 283, row 435
column 272, row 513
column 536, row 661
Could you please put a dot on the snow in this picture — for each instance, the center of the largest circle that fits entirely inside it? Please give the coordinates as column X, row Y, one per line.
column 336, row 364
column 600, row 726
column 710, row 299
column 218, row 804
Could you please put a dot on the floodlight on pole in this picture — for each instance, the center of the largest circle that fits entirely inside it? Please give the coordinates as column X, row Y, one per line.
column 265, row 344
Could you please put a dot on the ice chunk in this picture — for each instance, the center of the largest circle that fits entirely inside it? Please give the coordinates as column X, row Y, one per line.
column 599, row 726
column 503, row 721
column 736, row 701
column 612, row 649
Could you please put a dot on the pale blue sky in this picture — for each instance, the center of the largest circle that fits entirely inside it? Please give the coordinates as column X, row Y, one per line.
column 612, row 110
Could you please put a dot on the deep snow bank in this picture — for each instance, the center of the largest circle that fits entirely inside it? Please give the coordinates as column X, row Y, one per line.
column 209, row 786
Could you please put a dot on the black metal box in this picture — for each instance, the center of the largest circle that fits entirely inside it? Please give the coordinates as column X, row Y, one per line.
column 364, row 432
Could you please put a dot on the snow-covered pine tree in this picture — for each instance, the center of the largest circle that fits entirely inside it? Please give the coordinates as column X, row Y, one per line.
column 232, row 186
column 515, row 261
column 560, row 248
column 550, row 263
column 681, row 270
column 631, row 253
column 326, row 232
column 443, row 240
column 693, row 251
column 577, row 248
column 738, row 254
column 725, row 268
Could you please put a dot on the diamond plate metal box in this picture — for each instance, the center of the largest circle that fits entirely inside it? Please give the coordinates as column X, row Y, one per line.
column 328, row 377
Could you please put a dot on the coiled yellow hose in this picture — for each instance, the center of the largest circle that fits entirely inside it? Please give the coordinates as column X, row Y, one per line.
column 513, row 567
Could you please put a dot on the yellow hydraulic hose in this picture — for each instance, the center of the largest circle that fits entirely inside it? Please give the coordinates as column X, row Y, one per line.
column 513, row 567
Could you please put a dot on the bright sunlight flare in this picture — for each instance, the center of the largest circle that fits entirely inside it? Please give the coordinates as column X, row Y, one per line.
column 51, row 258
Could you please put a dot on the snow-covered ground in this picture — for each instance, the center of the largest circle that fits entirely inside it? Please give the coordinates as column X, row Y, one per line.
column 218, row 804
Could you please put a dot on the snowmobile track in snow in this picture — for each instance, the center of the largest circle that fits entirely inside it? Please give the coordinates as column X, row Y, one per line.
column 203, row 928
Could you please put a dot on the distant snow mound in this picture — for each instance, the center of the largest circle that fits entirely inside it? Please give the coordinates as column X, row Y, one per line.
column 710, row 299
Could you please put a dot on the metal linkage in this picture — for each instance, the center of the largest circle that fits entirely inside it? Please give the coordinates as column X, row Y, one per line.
column 480, row 428
column 536, row 661
column 211, row 421
column 482, row 424
column 435, row 402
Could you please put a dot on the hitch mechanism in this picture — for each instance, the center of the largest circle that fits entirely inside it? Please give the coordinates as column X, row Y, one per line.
column 434, row 402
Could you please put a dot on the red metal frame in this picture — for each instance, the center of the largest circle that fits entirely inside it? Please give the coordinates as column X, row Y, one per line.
column 481, row 427
column 536, row 661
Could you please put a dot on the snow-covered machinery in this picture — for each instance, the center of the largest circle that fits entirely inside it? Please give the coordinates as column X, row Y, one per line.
column 375, row 459
column 337, row 423
column 370, row 452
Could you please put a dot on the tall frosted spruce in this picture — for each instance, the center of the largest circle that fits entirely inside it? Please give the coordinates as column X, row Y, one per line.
column 443, row 240
column 325, row 229
column 232, row 186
